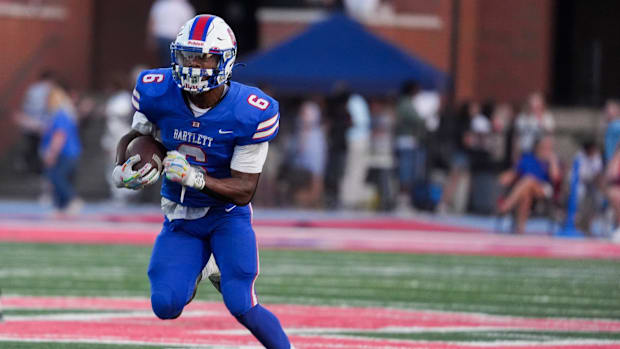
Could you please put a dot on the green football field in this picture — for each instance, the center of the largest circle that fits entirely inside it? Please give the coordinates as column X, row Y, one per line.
column 520, row 288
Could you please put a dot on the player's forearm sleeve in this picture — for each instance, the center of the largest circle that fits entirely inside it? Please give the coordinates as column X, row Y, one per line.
column 142, row 124
column 249, row 158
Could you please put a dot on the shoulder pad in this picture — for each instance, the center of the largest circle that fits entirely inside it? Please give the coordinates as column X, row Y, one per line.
column 151, row 84
column 258, row 114
column 253, row 105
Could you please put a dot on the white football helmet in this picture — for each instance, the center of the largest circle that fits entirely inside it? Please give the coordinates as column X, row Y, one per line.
column 201, row 39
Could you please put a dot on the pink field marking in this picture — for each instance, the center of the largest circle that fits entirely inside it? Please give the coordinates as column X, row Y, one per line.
column 338, row 239
column 303, row 316
column 81, row 233
column 217, row 327
column 367, row 224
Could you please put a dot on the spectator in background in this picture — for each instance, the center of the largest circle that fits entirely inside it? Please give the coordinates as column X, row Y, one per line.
column 487, row 136
column 309, row 157
column 354, row 192
column 427, row 104
column 480, row 131
column 60, row 149
column 612, row 133
column 532, row 178
column 381, row 153
column 410, row 130
column 480, row 123
column 456, row 190
column 118, row 113
column 165, row 20
column 588, row 193
column 83, row 103
column 501, row 118
column 338, row 122
column 612, row 190
column 506, row 112
column 361, row 9
column 32, row 120
column 533, row 123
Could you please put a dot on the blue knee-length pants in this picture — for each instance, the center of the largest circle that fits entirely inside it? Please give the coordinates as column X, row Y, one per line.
column 182, row 249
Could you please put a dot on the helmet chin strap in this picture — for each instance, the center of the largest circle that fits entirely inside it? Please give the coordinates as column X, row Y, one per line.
column 196, row 93
column 220, row 97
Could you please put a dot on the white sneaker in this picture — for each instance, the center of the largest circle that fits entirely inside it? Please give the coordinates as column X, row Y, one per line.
column 615, row 236
column 212, row 272
column 75, row 207
column 403, row 206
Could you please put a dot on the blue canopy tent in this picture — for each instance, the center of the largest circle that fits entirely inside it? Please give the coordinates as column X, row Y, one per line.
column 336, row 52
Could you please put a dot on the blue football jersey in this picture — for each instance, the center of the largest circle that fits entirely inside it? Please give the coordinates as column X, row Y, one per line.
column 246, row 115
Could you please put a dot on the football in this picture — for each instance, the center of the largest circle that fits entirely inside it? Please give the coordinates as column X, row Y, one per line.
column 149, row 149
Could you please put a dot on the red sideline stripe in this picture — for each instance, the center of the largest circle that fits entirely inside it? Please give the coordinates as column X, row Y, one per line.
column 199, row 28
column 370, row 224
column 334, row 239
column 363, row 223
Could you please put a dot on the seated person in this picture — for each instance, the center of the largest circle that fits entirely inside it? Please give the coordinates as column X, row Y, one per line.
column 533, row 178
column 589, row 195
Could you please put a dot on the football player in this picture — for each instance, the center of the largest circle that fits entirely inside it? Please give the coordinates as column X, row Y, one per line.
column 217, row 133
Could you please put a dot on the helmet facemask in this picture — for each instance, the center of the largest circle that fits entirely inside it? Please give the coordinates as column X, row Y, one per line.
column 197, row 72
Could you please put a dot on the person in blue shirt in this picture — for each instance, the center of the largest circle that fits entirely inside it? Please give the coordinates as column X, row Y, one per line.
column 217, row 133
column 612, row 133
column 32, row 119
column 532, row 178
column 60, row 148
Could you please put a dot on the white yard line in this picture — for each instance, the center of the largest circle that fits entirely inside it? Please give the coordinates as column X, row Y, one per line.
column 122, row 342
column 539, row 343
column 94, row 316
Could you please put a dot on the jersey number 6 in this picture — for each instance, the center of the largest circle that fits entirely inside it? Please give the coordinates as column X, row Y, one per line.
column 148, row 78
column 258, row 102
column 192, row 151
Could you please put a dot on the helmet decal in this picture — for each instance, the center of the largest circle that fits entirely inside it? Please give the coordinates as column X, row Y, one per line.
column 203, row 37
column 200, row 27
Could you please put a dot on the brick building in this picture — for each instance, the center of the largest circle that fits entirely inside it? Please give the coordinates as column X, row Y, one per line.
column 496, row 49
column 494, row 55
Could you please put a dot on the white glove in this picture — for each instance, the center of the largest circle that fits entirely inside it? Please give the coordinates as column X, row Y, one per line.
column 125, row 177
column 178, row 170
